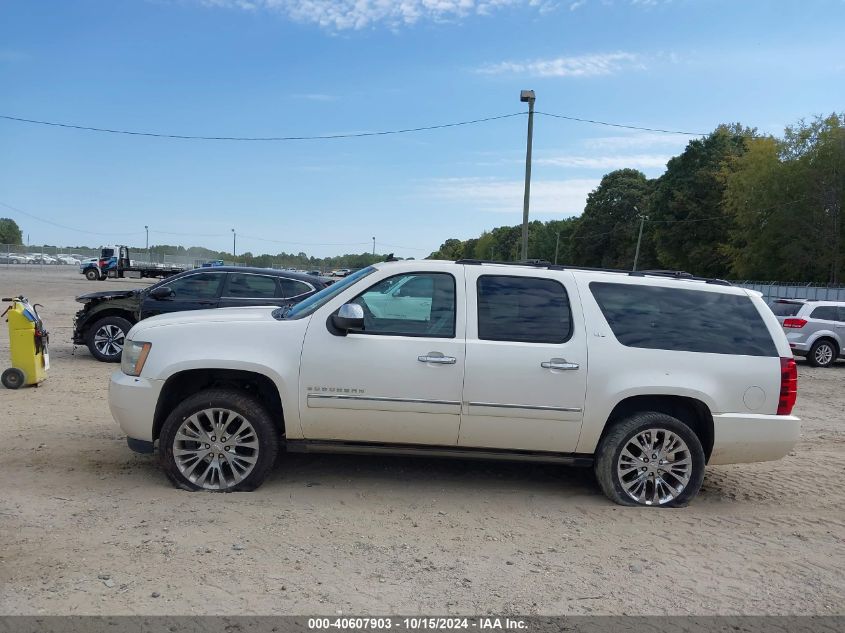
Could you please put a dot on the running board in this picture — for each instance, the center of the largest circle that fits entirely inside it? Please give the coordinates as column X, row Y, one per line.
column 417, row 450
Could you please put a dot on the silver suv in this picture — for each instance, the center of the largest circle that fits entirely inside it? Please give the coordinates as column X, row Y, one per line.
column 815, row 329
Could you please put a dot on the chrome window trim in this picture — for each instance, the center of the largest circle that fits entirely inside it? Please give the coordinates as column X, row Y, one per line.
column 533, row 407
column 383, row 399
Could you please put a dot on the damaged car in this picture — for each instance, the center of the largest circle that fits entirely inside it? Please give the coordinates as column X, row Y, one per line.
column 106, row 317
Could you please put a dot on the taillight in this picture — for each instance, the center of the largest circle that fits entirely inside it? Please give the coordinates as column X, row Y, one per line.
column 788, row 386
column 794, row 323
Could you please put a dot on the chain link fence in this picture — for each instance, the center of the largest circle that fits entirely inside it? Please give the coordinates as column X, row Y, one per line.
column 794, row 290
column 48, row 256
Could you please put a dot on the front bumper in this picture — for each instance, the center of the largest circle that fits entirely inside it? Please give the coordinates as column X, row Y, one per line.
column 740, row 438
column 132, row 401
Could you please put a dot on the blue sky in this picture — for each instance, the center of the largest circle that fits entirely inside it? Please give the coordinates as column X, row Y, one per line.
column 310, row 67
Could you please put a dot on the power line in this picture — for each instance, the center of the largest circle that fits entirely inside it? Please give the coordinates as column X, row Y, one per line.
column 317, row 137
column 621, row 125
column 261, row 138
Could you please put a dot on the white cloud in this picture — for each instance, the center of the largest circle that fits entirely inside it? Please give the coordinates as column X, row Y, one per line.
column 637, row 140
column 557, row 197
column 360, row 14
column 632, row 161
column 315, row 96
column 577, row 4
column 592, row 65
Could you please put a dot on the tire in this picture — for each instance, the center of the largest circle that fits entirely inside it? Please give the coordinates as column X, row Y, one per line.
column 92, row 274
column 105, row 338
column 13, row 378
column 823, row 353
column 193, row 470
column 610, row 461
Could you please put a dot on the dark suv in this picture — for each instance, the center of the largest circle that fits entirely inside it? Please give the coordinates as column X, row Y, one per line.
column 107, row 316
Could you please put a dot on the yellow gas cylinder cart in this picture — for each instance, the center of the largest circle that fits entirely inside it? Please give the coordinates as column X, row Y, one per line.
column 28, row 345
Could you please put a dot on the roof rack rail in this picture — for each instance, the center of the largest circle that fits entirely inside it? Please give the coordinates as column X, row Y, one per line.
column 541, row 263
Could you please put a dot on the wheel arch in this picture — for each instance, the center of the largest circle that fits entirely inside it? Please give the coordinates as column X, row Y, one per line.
column 830, row 337
column 96, row 316
column 693, row 412
column 190, row 381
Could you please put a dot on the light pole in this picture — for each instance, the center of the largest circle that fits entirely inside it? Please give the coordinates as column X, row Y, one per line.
column 639, row 239
column 234, row 242
column 374, row 246
column 527, row 96
column 147, row 229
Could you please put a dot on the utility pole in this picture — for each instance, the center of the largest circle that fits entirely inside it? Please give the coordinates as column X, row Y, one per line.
column 234, row 242
column 147, row 229
column 557, row 243
column 639, row 239
column 374, row 246
column 527, row 96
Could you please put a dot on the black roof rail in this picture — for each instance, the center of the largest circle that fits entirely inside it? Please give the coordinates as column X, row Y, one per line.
column 541, row 263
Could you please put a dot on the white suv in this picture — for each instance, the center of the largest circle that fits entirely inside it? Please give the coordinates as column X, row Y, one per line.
column 646, row 377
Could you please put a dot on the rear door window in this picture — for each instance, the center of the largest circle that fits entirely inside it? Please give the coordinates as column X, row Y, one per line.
column 523, row 309
column 824, row 313
column 249, row 286
column 656, row 317
column 293, row 288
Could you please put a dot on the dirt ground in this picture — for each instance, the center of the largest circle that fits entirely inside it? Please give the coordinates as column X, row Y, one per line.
column 88, row 527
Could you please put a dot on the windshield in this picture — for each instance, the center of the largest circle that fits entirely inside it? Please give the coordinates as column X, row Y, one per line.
column 309, row 305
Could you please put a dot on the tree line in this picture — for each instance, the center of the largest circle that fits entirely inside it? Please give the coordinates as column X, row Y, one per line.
column 735, row 204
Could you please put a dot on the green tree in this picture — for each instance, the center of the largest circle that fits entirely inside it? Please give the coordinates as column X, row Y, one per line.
column 692, row 230
column 786, row 198
column 10, row 232
column 606, row 234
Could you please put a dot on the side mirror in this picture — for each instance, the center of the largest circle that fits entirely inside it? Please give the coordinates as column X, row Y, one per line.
column 162, row 292
column 349, row 318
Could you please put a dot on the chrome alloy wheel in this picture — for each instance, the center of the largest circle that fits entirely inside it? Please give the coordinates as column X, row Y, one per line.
column 109, row 340
column 215, row 449
column 824, row 354
column 654, row 467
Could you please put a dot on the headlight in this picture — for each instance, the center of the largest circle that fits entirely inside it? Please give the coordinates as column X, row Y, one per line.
column 134, row 356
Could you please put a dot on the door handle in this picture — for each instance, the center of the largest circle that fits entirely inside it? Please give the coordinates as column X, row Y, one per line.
column 559, row 363
column 437, row 358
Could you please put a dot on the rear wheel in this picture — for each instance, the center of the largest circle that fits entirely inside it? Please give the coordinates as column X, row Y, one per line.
column 218, row 440
column 823, row 353
column 13, row 378
column 650, row 459
column 106, row 337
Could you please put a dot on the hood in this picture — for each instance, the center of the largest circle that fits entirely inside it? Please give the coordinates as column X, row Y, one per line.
column 106, row 294
column 214, row 315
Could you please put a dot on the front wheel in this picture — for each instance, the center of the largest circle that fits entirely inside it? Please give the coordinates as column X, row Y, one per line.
column 106, row 337
column 650, row 459
column 219, row 440
column 92, row 274
column 822, row 354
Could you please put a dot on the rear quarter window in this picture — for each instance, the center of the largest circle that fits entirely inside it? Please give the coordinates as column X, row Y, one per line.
column 656, row 317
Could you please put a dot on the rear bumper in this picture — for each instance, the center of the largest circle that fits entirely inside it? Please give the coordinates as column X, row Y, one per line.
column 740, row 438
column 132, row 402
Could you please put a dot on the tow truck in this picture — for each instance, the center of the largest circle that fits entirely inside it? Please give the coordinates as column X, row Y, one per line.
column 114, row 262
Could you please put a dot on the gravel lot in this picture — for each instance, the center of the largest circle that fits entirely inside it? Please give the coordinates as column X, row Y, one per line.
column 88, row 527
